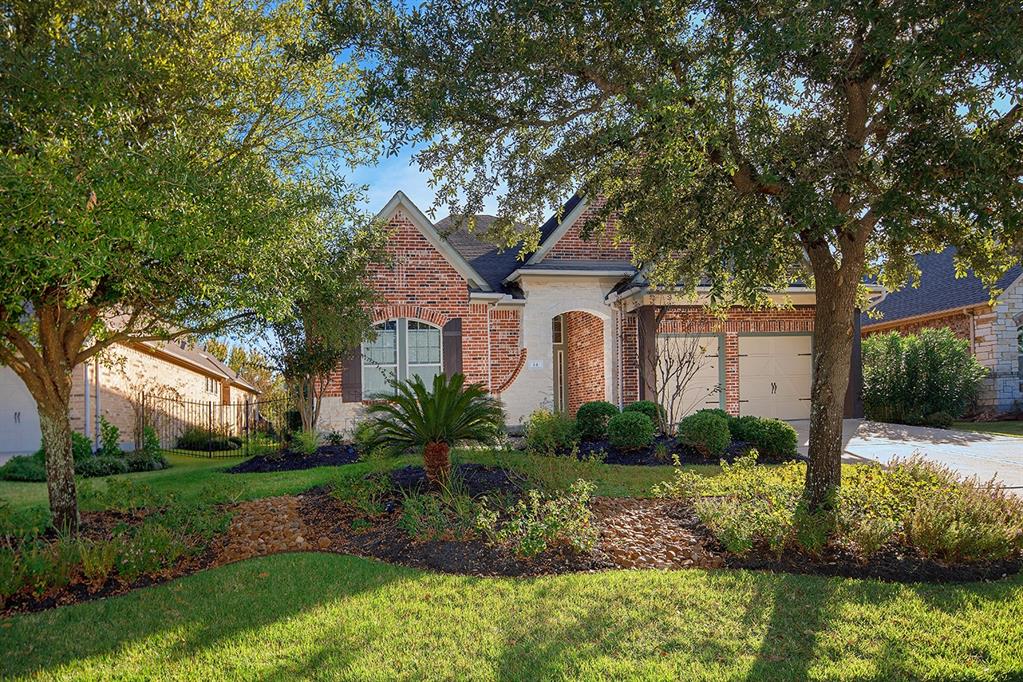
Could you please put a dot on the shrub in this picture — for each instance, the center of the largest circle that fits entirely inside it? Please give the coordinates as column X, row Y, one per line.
column 550, row 433
column 109, row 439
column 101, row 465
column 81, row 447
column 591, row 419
column 150, row 549
column 202, row 440
column 141, row 460
column 365, row 493
column 24, row 468
column 648, row 407
column 630, row 431
column 12, row 575
column 540, row 521
column 771, row 437
column 98, row 558
column 969, row 522
column 706, row 432
column 684, row 484
column 305, row 442
column 907, row 379
column 335, row 438
column 364, row 436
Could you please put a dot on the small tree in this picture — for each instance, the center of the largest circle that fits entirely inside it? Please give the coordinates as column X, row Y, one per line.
column 157, row 167
column 676, row 360
column 436, row 419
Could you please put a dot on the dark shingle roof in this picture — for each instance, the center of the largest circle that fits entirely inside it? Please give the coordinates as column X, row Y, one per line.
column 200, row 359
column 939, row 290
column 492, row 263
column 571, row 265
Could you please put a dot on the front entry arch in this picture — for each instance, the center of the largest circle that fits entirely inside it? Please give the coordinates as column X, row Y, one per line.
column 578, row 357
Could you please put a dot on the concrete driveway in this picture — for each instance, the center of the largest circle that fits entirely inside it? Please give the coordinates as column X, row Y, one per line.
column 984, row 455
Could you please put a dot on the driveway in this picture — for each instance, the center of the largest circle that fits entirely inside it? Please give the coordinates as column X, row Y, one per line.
column 984, row 455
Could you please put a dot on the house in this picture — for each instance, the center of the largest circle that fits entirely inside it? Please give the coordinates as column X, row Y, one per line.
column 994, row 331
column 112, row 387
column 573, row 321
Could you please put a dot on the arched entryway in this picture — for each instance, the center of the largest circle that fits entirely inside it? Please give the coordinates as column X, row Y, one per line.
column 578, row 354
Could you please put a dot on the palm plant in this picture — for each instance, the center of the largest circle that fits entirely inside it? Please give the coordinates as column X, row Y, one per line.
column 434, row 421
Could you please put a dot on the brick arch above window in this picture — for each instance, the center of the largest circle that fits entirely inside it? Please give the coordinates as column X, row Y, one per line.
column 393, row 312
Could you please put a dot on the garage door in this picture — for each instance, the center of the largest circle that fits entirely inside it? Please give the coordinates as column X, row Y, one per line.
column 774, row 376
column 19, row 420
column 688, row 369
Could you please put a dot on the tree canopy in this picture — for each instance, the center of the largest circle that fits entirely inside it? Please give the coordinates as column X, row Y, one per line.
column 161, row 166
column 742, row 143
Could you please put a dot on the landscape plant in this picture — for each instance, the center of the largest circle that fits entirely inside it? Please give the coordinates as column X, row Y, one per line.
column 551, row 433
column 737, row 147
column 930, row 377
column 706, row 432
column 771, row 437
column 630, row 430
column 591, row 419
column 432, row 420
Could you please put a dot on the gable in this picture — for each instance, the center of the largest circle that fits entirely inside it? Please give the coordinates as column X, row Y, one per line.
column 413, row 233
column 562, row 239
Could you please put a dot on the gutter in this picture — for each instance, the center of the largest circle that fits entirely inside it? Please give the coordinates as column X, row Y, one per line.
column 552, row 272
column 494, row 298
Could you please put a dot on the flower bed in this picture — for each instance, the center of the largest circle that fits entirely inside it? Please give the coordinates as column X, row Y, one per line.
column 325, row 455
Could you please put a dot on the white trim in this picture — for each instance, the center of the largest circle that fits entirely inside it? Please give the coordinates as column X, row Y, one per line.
column 566, row 222
column 555, row 272
column 423, row 224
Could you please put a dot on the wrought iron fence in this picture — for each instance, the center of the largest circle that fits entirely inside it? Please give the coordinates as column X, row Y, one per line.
column 212, row 429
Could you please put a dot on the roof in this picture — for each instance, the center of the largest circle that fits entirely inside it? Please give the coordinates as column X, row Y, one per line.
column 200, row 360
column 939, row 290
column 492, row 263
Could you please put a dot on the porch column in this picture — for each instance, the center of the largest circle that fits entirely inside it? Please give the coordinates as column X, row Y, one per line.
column 647, row 337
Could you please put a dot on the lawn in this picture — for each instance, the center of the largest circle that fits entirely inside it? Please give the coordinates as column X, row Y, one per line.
column 340, row 617
column 1003, row 428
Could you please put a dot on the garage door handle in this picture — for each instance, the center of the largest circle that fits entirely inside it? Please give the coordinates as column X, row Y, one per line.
column 774, row 388
column 17, row 417
column 743, row 401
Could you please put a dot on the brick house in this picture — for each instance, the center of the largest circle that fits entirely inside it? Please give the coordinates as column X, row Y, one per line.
column 573, row 321
column 995, row 332
column 111, row 387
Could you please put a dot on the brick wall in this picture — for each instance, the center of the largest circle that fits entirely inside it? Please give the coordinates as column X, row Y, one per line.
column 630, row 359
column 420, row 283
column 600, row 246
column 584, row 364
column 697, row 320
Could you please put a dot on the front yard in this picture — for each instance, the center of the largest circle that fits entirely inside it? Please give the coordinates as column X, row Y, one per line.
column 344, row 617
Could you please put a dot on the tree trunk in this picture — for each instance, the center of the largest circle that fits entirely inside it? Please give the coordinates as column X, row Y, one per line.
column 60, row 466
column 437, row 462
column 832, row 348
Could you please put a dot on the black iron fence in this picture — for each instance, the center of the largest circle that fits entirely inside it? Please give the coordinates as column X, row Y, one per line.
column 212, row 429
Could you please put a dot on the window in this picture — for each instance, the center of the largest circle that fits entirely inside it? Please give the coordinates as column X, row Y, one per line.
column 1019, row 351
column 212, row 385
column 403, row 348
column 557, row 329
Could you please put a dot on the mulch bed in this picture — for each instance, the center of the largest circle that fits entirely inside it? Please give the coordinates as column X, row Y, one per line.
column 633, row 534
column 660, row 452
column 326, row 455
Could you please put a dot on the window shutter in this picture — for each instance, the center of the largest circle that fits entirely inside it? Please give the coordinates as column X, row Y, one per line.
column 351, row 377
column 452, row 360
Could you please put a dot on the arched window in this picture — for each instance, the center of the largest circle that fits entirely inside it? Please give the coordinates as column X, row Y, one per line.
column 402, row 348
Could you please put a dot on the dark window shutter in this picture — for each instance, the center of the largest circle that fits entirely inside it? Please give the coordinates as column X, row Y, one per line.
column 453, row 346
column 351, row 377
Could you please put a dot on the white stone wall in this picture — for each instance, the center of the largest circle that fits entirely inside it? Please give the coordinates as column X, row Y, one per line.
column 547, row 297
column 997, row 348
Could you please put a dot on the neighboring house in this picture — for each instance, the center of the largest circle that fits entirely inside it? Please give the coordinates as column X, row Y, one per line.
column 995, row 332
column 112, row 385
column 573, row 321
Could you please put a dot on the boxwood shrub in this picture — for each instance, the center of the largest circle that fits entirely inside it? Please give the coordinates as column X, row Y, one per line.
column 630, row 430
column 592, row 417
column 706, row 432
column 771, row 437
column 647, row 407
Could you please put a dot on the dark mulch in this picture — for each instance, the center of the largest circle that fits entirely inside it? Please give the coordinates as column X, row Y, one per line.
column 661, row 451
column 892, row 564
column 326, row 455
column 477, row 479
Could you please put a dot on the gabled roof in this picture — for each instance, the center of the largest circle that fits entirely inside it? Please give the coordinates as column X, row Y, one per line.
column 557, row 225
column 200, row 360
column 491, row 262
column 939, row 290
column 443, row 246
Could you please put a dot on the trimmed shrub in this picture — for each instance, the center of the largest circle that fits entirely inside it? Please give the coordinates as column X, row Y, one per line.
column 201, row 440
column 630, row 431
column 591, row 419
column 719, row 412
column 912, row 379
column 141, row 460
column 102, row 465
column 550, row 433
column 705, row 432
column 647, row 407
column 24, row 468
column 771, row 437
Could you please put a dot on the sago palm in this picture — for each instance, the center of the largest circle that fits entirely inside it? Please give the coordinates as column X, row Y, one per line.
column 435, row 420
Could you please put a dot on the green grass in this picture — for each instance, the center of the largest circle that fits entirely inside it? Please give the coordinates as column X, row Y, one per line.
column 340, row 617
column 337, row 617
column 1006, row 428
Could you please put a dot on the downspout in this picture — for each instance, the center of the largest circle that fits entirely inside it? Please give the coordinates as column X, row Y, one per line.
column 95, row 423
column 85, row 390
column 973, row 332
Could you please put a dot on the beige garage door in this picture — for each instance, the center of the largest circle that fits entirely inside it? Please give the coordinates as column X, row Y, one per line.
column 774, row 376
column 19, row 419
column 688, row 369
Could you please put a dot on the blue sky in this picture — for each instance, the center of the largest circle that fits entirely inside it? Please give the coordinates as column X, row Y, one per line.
column 400, row 172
